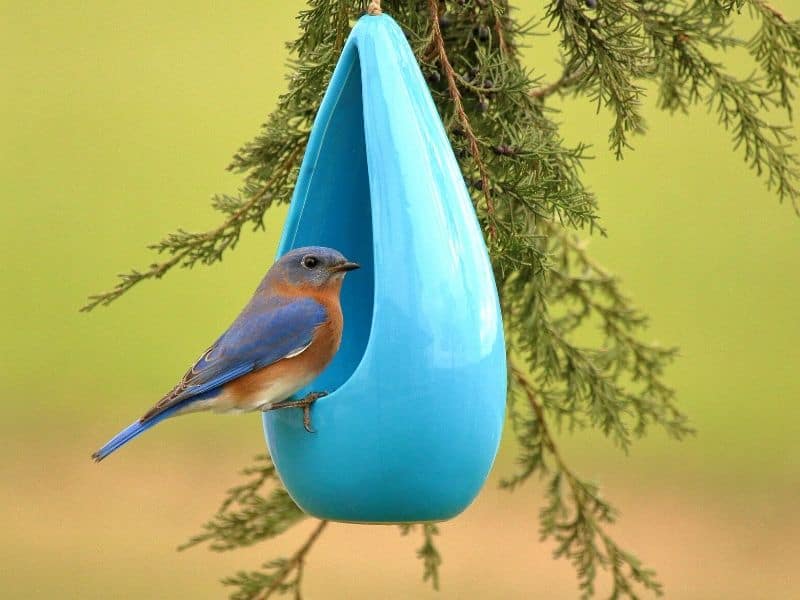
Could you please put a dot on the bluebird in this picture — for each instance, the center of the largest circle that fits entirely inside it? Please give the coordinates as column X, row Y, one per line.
column 285, row 336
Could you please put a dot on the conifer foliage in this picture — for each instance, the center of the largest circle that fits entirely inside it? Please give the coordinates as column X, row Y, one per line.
column 535, row 211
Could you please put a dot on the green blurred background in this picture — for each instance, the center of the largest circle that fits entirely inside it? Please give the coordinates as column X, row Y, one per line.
column 117, row 121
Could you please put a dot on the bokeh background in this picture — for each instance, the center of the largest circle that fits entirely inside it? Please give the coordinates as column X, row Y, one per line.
column 117, row 120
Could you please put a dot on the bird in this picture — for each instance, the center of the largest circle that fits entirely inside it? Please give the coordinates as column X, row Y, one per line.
column 283, row 338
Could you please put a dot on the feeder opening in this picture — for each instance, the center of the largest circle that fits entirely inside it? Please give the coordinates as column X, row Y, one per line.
column 334, row 210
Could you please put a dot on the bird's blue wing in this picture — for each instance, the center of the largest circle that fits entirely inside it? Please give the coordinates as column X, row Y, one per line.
column 264, row 333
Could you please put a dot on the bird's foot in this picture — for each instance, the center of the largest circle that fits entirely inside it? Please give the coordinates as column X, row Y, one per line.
column 304, row 403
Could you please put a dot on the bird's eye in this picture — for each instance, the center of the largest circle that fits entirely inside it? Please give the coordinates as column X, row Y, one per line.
column 309, row 262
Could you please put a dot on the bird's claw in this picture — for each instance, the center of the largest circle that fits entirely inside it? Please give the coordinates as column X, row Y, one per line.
column 304, row 403
column 309, row 400
column 307, row 418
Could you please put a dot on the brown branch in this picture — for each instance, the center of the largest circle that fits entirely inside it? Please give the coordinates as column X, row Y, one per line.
column 580, row 496
column 572, row 242
column 566, row 80
column 455, row 95
column 773, row 11
column 157, row 270
column 295, row 563
column 498, row 28
column 547, row 439
column 575, row 486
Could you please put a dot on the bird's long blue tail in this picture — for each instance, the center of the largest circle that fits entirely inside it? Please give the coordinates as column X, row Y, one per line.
column 131, row 431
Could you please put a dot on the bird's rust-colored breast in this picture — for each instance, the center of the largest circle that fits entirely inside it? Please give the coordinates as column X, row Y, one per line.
column 280, row 380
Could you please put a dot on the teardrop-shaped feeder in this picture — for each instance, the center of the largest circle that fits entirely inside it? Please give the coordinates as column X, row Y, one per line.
column 413, row 420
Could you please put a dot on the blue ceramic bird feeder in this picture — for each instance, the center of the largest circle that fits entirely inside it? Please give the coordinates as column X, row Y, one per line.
column 412, row 423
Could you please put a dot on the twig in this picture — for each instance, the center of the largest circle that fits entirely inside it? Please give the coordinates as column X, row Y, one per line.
column 455, row 95
column 579, row 247
column 566, row 80
column 498, row 28
column 157, row 270
column 296, row 562
column 547, row 439
column 622, row 566
column 576, row 488
column 774, row 11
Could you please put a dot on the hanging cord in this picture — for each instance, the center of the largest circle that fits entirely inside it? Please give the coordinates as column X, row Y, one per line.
column 374, row 8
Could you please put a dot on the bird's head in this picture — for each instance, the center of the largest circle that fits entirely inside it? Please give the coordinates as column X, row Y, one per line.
column 313, row 266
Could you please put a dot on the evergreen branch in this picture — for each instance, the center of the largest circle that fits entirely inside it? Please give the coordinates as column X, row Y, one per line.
column 629, row 41
column 276, row 575
column 767, row 147
column 187, row 248
column 764, row 5
column 567, row 79
column 776, row 47
column 427, row 553
column 497, row 13
column 577, row 525
column 616, row 387
column 609, row 55
column 687, row 75
column 247, row 517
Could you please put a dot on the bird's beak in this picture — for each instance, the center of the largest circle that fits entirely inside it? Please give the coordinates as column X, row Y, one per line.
column 345, row 266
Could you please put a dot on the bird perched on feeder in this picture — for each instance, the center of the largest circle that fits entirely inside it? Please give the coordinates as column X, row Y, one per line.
column 285, row 336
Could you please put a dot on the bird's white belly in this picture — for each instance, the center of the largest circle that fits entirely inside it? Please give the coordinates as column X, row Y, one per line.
column 274, row 390
column 279, row 390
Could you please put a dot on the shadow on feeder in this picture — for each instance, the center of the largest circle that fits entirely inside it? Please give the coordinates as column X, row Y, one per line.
column 412, row 423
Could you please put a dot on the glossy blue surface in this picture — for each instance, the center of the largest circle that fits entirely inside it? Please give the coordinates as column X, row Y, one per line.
column 418, row 389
